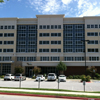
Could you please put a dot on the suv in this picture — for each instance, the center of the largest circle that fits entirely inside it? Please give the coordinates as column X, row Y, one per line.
column 51, row 76
column 9, row 77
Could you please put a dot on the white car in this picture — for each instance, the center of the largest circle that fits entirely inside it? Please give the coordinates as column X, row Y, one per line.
column 51, row 76
column 9, row 77
column 42, row 78
column 62, row 78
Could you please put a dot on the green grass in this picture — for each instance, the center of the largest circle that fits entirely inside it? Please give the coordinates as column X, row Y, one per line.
column 49, row 89
column 53, row 94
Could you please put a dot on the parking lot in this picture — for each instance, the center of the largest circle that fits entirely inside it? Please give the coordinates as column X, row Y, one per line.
column 68, row 85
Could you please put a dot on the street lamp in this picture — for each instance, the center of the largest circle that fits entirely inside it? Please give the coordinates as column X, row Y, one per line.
column 85, row 52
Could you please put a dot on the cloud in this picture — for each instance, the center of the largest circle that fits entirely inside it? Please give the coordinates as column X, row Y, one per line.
column 88, row 8
column 70, row 8
column 49, row 6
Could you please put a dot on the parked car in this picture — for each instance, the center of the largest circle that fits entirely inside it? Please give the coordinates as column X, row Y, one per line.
column 9, row 77
column 17, row 77
column 51, row 76
column 62, row 78
column 42, row 78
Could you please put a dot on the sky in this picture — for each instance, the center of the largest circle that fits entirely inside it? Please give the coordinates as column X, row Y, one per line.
column 31, row 8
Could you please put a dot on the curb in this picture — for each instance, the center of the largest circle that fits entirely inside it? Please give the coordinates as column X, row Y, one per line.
column 50, row 96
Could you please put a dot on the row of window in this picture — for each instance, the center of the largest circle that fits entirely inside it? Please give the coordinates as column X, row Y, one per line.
column 93, row 26
column 80, row 58
column 92, row 34
column 29, row 35
column 50, row 27
column 47, row 42
column 7, row 34
column 47, row 50
column 7, row 27
column 48, row 34
column 47, row 58
column 7, row 42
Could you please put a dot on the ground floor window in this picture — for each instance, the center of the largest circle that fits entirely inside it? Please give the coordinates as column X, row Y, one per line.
column 0, row 69
column 6, row 68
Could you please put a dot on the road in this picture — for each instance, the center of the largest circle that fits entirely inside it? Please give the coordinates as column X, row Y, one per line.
column 12, row 97
column 69, row 84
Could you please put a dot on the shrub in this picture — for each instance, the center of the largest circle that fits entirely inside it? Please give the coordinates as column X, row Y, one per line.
column 70, row 77
column 94, row 78
column 97, row 75
column 88, row 78
column 76, row 77
column 33, row 77
column 2, row 76
column 83, row 78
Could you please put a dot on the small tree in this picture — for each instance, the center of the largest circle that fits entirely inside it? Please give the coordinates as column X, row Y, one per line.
column 36, row 70
column 91, row 71
column 61, row 67
column 19, row 69
column 1, row 1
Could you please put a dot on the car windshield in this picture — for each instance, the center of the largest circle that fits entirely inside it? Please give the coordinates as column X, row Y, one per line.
column 7, row 75
column 51, row 75
column 61, row 76
column 39, row 76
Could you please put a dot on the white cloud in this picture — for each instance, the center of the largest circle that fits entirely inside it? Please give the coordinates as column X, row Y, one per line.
column 66, row 1
column 50, row 6
column 88, row 8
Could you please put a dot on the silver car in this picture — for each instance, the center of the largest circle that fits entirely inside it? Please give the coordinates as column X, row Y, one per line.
column 9, row 77
column 42, row 78
column 51, row 76
column 18, row 77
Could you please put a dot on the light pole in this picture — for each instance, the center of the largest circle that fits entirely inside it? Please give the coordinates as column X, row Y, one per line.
column 84, row 41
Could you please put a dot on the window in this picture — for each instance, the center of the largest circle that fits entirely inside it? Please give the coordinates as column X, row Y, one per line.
column 55, row 34
column 93, row 50
column 13, row 27
column 44, row 26
column 93, row 42
column 68, row 58
column 7, row 58
column 5, row 27
column 99, row 25
column 1, row 34
column 7, row 50
column 21, row 58
column 8, row 34
column 0, row 42
column 43, row 34
column 93, row 58
column 96, row 26
column 9, row 27
column 40, row 27
column 88, row 26
column 0, row 50
column 59, row 26
column 1, row 27
column 31, row 58
column 43, row 42
column 52, row 26
column 44, row 58
column 6, row 68
column 48, row 26
column 92, row 26
column 55, row 26
column 8, row 42
column 92, row 34
column 79, row 58
column 55, row 50
column 54, row 58
column 43, row 50
column 55, row 42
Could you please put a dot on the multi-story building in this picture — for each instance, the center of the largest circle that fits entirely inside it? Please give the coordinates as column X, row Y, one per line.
column 46, row 40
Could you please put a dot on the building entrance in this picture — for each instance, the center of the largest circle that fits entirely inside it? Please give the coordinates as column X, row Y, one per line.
column 29, row 71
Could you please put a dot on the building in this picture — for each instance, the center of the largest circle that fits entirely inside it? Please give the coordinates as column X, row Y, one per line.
column 46, row 40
